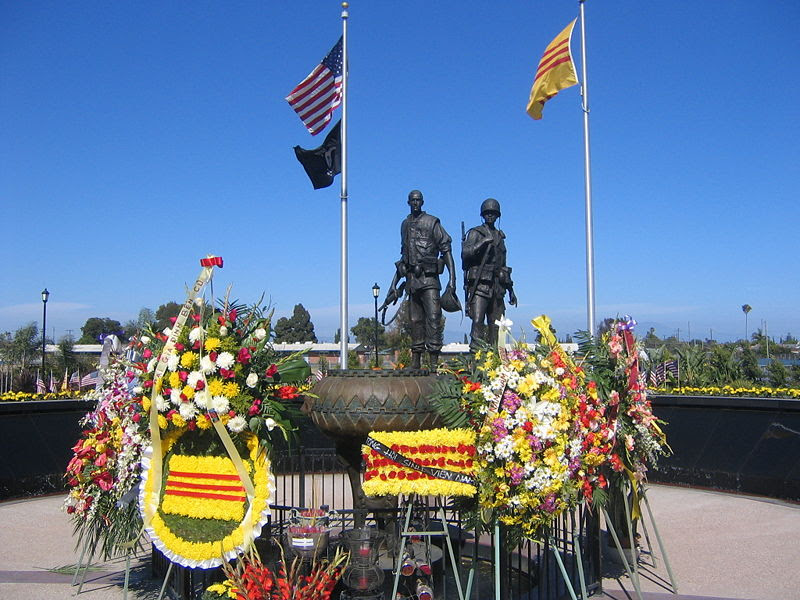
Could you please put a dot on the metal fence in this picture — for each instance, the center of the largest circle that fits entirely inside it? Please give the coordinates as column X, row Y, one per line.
column 311, row 478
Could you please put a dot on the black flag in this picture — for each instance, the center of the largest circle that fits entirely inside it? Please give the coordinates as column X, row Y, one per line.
column 323, row 163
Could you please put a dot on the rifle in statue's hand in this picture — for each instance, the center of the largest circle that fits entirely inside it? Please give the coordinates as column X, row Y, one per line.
column 394, row 295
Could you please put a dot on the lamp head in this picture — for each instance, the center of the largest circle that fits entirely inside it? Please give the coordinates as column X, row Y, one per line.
column 45, row 295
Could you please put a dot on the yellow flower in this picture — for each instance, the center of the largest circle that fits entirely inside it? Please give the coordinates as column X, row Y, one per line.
column 203, row 422
column 215, row 386
column 211, row 344
column 178, row 420
column 146, row 403
column 162, row 422
column 230, row 389
column 188, row 391
column 189, row 359
column 174, row 380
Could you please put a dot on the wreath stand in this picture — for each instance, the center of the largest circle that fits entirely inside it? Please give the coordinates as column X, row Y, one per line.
column 128, row 547
column 407, row 505
column 633, row 570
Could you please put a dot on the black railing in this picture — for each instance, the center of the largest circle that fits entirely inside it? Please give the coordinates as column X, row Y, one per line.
column 307, row 478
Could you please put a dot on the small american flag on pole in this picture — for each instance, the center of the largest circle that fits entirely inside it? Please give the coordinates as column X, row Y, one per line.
column 40, row 386
column 315, row 98
column 74, row 379
column 90, row 379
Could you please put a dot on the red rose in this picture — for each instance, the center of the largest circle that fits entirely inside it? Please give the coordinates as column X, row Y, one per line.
column 147, row 353
column 200, row 384
column 271, row 371
column 179, row 347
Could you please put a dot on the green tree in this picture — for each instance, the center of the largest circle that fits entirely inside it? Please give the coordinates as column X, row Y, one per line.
column 298, row 328
column 651, row 340
column 776, row 371
column 794, row 373
column 164, row 315
column 750, row 369
column 692, row 365
column 725, row 367
column 96, row 327
column 145, row 320
column 398, row 334
column 22, row 347
column 364, row 332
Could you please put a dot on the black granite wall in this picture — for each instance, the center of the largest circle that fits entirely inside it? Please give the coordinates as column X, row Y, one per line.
column 749, row 445
column 36, row 440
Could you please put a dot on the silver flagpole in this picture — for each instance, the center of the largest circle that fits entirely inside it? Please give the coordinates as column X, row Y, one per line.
column 343, row 292
column 590, row 318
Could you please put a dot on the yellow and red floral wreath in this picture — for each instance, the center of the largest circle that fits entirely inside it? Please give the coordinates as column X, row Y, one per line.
column 452, row 450
column 203, row 516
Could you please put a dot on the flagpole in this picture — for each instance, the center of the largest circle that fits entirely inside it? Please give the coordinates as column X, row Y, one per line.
column 590, row 316
column 343, row 291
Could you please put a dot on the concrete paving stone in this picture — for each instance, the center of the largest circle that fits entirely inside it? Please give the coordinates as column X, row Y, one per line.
column 720, row 546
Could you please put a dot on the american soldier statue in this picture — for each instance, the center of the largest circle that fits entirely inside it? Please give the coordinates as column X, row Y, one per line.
column 424, row 253
column 487, row 278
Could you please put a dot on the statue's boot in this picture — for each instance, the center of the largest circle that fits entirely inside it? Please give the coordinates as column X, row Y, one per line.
column 433, row 358
column 416, row 357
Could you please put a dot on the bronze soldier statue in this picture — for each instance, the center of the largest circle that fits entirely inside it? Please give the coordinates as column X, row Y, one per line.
column 487, row 278
column 424, row 253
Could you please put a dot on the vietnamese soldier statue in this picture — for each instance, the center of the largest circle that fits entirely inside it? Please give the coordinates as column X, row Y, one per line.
column 424, row 253
column 487, row 278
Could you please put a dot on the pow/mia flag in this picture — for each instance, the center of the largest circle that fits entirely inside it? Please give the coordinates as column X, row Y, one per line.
column 324, row 163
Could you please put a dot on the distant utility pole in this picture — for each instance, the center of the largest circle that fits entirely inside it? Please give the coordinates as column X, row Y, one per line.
column 711, row 334
column 689, row 331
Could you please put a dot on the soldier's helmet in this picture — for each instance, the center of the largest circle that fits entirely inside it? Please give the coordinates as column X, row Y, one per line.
column 490, row 205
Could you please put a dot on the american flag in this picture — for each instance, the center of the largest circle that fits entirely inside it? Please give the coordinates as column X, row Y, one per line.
column 659, row 374
column 90, row 379
column 315, row 98
column 74, row 379
column 53, row 383
column 40, row 386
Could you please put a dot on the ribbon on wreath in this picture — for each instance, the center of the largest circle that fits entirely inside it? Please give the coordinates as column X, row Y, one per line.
column 437, row 473
column 211, row 261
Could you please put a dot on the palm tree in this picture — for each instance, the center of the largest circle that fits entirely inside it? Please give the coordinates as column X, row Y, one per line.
column 746, row 308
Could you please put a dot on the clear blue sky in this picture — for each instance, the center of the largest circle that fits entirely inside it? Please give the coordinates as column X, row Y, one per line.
column 136, row 137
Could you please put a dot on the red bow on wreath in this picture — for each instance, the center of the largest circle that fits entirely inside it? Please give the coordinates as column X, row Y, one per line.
column 211, row 261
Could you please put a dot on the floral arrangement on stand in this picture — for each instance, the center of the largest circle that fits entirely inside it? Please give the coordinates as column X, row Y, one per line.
column 542, row 435
column 104, row 471
column 250, row 579
column 436, row 462
column 214, row 414
column 638, row 440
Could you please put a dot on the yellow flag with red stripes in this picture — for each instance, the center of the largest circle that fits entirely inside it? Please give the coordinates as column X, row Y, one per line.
column 556, row 71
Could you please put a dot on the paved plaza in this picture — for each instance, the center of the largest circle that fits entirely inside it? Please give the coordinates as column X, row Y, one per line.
column 719, row 545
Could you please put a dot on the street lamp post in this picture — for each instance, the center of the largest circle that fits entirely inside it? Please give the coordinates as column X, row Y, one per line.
column 45, row 296
column 376, row 291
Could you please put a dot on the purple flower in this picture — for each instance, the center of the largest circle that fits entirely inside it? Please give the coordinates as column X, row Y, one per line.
column 534, row 442
column 511, row 401
column 549, row 503
column 499, row 430
column 517, row 473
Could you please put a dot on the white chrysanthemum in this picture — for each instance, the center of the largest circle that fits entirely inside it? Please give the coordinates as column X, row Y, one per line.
column 196, row 334
column 207, row 365
column 251, row 380
column 223, row 331
column 175, row 397
column 260, row 333
column 220, row 404
column 559, row 371
column 151, row 365
column 193, row 378
column 237, row 424
column 161, row 403
column 167, row 331
column 270, row 423
column 199, row 301
column 504, row 448
column 225, row 360
column 188, row 410
column 145, row 340
column 202, row 399
column 172, row 362
column 137, row 390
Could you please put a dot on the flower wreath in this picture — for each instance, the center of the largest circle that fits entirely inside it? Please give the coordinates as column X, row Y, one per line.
column 437, row 462
column 203, row 516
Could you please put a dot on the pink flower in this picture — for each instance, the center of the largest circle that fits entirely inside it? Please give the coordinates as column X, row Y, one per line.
column 243, row 356
column 147, row 353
